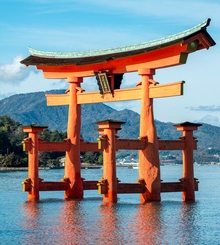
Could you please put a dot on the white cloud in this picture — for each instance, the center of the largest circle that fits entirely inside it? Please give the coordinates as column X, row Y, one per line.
column 33, row 82
column 15, row 72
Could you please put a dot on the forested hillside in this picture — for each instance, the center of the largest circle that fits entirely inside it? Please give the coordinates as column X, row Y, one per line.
column 31, row 108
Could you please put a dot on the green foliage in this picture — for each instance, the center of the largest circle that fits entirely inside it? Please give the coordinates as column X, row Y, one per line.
column 13, row 160
column 46, row 158
column 51, row 158
column 92, row 157
column 11, row 149
column 4, row 142
column 11, row 135
column 52, row 136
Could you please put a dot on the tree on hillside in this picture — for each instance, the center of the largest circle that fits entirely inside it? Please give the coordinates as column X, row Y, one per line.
column 51, row 158
column 11, row 136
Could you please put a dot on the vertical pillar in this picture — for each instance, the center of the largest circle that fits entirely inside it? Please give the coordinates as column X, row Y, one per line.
column 109, row 129
column 149, row 163
column 188, row 170
column 33, row 173
column 72, row 163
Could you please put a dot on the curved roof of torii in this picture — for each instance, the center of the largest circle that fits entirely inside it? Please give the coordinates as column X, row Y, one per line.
column 164, row 52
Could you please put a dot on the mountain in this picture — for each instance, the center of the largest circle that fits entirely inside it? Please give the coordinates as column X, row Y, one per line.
column 209, row 119
column 31, row 108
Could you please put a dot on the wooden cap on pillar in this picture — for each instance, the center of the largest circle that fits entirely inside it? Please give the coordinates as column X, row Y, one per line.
column 109, row 123
column 34, row 128
column 187, row 126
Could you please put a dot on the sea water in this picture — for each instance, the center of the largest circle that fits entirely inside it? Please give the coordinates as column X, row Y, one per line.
column 54, row 220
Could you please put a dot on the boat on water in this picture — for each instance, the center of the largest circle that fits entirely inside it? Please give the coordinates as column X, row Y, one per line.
column 131, row 164
column 56, row 167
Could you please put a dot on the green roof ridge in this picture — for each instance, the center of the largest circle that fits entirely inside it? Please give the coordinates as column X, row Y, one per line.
column 92, row 53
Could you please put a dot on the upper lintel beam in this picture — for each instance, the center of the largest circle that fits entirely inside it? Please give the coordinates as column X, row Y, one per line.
column 161, row 58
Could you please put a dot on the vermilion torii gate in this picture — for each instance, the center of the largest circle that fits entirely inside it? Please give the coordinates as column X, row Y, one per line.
column 108, row 66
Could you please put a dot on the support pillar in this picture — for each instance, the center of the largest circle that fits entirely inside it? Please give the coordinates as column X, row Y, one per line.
column 109, row 129
column 72, row 163
column 33, row 173
column 188, row 169
column 149, row 163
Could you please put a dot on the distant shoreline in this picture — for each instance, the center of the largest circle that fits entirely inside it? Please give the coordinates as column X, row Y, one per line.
column 88, row 166
column 6, row 169
column 83, row 166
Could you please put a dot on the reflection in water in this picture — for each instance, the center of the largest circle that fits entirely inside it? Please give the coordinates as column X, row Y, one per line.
column 90, row 221
column 189, row 224
column 72, row 222
column 110, row 224
column 147, row 226
column 40, row 222
column 31, row 225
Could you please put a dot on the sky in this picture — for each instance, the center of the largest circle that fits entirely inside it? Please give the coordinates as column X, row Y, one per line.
column 81, row 25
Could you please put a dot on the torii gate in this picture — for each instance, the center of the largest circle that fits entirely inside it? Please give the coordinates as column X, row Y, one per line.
column 108, row 66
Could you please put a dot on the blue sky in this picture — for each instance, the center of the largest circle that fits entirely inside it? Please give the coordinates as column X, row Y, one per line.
column 80, row 25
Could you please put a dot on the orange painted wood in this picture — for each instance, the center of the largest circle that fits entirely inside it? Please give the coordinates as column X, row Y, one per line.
column 108, row 128
column 178, row 59
column 149, row 163
column 53, row 186
column 119, row 95
column 172, row 187
column 33, row 167
column 120, row 144
column 33, row 129
column 130, row 144
column 174, row 144
column 64, row 75
column 89, row 146
column 171, row 144
column 109, row 166
column 165, row 57
column 166, row 90
column 158, row 91
column 33, row 173
column 54, row 146
column 188, row 169
column 126, row 188
column 90, row 185
column 57, row 99
column 72, row 162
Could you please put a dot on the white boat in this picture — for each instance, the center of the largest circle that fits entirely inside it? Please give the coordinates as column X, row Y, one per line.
column 132, row 164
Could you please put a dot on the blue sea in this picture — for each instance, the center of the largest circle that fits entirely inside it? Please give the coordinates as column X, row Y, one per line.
column 54, row 220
